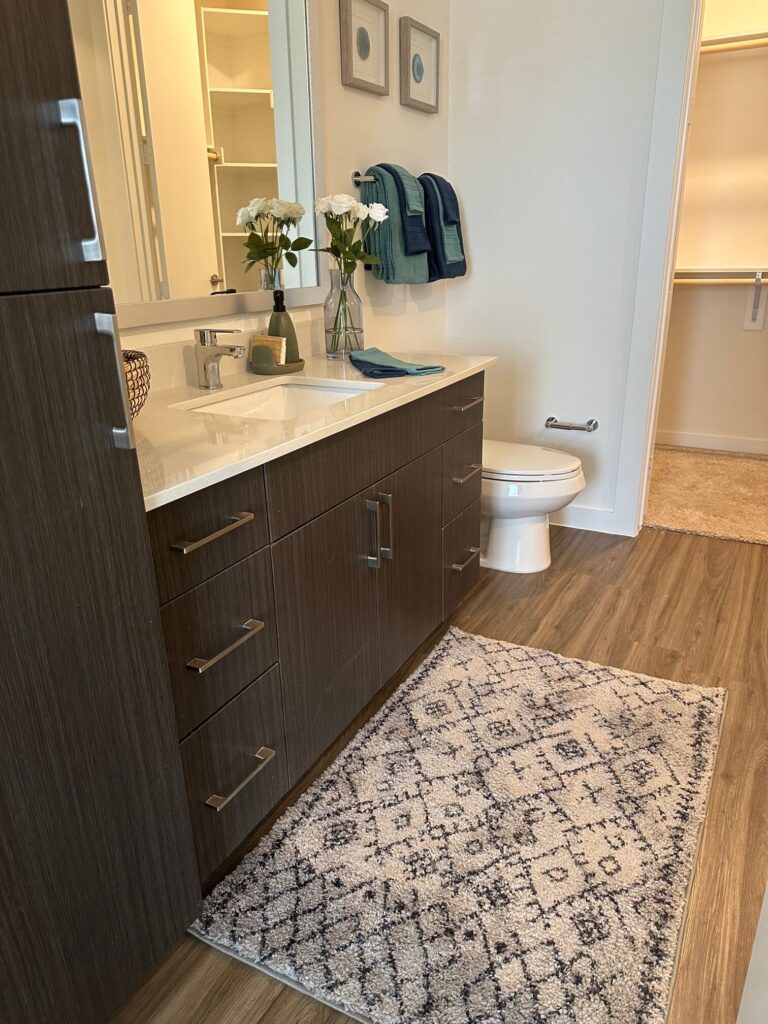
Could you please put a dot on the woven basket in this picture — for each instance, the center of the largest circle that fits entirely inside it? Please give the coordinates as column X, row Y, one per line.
column 136, row 368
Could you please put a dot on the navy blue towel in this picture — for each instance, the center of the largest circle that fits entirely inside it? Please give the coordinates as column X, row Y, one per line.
column 439, row 217
column 415, row 237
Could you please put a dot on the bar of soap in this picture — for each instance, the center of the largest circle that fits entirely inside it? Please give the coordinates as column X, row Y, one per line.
column 276, row 345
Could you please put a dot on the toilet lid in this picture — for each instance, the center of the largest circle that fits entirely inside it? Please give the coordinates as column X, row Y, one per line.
column 526, row 461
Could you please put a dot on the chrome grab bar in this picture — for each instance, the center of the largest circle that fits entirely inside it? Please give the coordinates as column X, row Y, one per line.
column 555, row 424
column 71, row 114
column 251, row 627
column 263, row 755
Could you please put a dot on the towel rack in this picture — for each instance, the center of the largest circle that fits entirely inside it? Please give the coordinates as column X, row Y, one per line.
column 358, row 178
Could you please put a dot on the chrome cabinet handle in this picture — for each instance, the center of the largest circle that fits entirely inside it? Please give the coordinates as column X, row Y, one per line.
column 186, row 547
column 263, row 755
column 475, row 468
column 251, row 627
column 461, row 566
column 374, row 561
column 122, row 437
column 71, row 114
column 470, row 405
column 389, row 551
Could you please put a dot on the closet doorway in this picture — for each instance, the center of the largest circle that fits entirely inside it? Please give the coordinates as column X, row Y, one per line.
column 709, row 469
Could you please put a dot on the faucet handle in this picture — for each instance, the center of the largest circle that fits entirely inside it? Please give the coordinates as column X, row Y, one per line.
column 207, row 336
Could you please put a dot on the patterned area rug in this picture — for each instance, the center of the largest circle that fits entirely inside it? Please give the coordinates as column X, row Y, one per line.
column 509, row 840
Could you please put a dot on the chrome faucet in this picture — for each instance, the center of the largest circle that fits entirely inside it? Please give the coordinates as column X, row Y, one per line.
column 208, row 353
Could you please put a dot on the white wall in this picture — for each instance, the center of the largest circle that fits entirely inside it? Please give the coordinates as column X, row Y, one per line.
column 552, row 121
column 733, row 17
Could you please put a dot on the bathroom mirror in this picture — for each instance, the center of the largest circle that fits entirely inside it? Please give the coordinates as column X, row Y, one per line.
column 192, row 108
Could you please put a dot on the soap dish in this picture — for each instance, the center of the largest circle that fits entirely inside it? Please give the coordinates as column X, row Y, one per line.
column 264, row 356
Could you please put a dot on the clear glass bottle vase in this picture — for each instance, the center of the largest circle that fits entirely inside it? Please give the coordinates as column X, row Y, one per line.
column 343, row 310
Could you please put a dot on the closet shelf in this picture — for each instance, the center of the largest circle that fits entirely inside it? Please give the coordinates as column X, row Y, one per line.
column 733, row 44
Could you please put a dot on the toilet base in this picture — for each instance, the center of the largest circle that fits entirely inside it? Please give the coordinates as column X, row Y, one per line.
column 517, row 545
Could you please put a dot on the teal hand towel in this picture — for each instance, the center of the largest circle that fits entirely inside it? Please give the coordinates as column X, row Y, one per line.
column 396, row 267
column 374, row 363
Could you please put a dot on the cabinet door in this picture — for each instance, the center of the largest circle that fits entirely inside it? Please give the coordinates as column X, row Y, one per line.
column 410, row 576
column 48, row 226
column 325, row 596
column 97, row 870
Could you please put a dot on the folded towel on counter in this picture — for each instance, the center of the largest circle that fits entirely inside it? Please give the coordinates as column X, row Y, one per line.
column 411, row 195
column 446, row 258
column 387, row 242
column 372, row 362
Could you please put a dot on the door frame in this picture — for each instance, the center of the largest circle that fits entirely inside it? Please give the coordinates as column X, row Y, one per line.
column 675, row 86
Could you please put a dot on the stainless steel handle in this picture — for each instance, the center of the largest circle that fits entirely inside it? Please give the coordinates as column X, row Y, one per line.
column 389, row 550
column 206, row 336
column 263, row 755
column 470, row 405
column 71, row 113
column 461, row 566
column 122, row 437
column 251, row 627
column 374, row 561
column 553, row 423
column 475, row 468
column 186, row 547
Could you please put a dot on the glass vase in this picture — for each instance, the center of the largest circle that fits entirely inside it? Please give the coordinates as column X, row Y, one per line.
column 343, row 310
column 271, row 280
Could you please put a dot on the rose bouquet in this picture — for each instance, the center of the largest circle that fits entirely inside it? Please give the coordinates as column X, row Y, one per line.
column 267, row 223
column 344, row 218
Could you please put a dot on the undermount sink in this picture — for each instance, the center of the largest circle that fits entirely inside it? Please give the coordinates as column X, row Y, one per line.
column 287, row 400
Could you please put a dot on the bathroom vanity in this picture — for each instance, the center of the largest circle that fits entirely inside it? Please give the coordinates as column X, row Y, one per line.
column 292, row 590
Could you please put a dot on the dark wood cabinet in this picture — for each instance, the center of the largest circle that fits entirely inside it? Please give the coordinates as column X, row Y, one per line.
column 47, row 225
column 409, row 583
column 325, row 595
column 461, row 557
column 462, row 471
column 97, row 873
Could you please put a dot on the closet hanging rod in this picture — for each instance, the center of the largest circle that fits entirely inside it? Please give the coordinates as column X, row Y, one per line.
column 722, row 277
column 724, row 44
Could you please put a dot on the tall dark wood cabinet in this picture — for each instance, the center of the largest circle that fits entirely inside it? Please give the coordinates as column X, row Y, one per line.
column 97, row 872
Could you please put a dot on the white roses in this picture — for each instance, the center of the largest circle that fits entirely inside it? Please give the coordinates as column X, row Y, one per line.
column 341, row 205
column 281, row 210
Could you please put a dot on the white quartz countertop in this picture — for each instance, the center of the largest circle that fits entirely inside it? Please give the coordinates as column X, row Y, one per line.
column 182, row 449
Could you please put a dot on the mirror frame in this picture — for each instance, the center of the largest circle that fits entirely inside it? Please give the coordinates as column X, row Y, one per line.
column 209, row 307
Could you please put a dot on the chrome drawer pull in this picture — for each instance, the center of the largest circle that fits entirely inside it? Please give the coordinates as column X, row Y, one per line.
column 470, row 405
column 263, row 755
column 461, row 566
column 388, row 552
column 374, row 561
column 71, row 113
column 252, row 627
column 186, row 547
column 475, row 468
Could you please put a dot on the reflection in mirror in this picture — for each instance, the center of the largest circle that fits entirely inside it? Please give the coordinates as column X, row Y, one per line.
column 192, row 110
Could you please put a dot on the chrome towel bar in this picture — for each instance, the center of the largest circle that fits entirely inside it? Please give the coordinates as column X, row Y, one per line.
column 555, row 424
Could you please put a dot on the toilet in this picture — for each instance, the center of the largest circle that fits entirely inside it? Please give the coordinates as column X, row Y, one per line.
column 522, row 484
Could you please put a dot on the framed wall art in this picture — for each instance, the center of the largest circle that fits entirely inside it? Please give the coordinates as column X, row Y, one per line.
column 419, row 66
column 364, row 28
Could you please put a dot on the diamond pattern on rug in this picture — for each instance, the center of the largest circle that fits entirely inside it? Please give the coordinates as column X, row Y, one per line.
column 508, row 841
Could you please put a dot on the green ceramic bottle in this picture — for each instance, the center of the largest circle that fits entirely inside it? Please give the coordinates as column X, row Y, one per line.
column 281, row 326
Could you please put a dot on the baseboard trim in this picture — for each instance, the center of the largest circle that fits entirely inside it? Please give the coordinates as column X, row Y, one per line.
column 716, row 442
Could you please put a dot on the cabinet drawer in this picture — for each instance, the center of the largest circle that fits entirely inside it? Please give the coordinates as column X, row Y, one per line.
column 307, row 483
column 197, row 536
column 462, row 471
column 461, row 557
column 236, row 763
column 218, row 637
column 463, row 405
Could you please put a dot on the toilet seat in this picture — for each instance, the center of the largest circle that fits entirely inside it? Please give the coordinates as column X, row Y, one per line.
column 527, row 463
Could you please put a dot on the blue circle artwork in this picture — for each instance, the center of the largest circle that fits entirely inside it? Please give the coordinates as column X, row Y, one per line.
column 363, row 43
column 417, row 66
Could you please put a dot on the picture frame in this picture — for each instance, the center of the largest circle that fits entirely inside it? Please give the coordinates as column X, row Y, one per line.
column 364, row 34
column 419, row 66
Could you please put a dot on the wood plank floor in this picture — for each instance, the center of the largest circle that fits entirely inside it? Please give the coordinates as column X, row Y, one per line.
column 678, row 606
